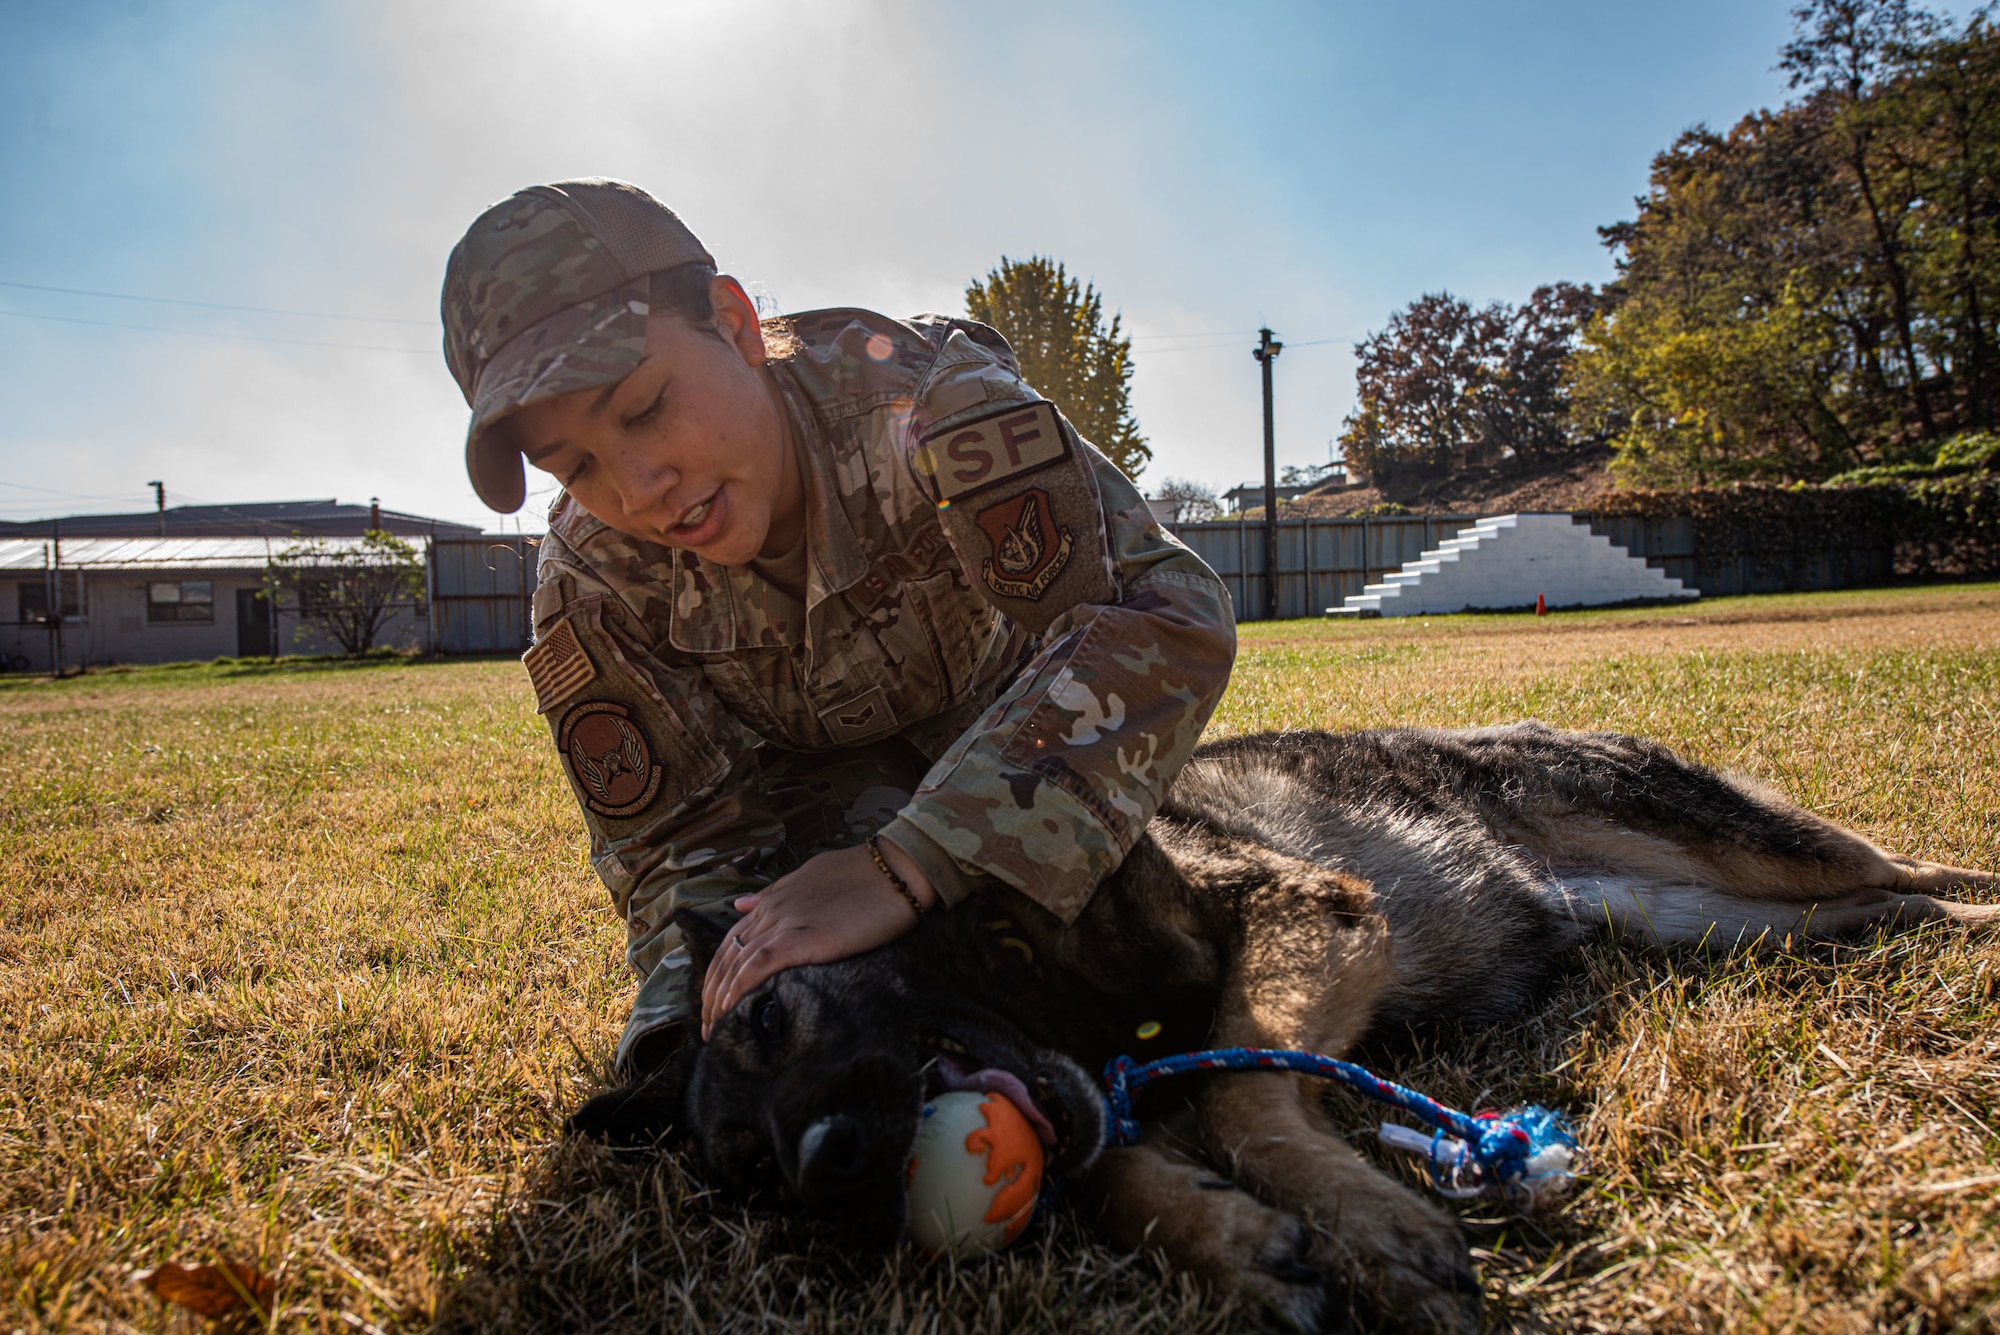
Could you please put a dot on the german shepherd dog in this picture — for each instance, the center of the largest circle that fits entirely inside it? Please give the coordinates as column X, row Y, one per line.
column 1296, row 890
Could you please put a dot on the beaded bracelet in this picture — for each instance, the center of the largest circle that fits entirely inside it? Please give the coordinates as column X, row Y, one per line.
column 875, row 851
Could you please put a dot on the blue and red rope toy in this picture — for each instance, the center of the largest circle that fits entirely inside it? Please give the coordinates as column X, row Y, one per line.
column 1527, row 1156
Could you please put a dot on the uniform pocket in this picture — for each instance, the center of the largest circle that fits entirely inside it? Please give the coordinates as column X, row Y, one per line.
column 956, row 627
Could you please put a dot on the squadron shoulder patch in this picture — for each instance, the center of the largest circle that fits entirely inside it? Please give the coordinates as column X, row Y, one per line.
column 973, row 456
column 1029, row 547
column 558, row 667
column 1017, row 499
column 610, row 757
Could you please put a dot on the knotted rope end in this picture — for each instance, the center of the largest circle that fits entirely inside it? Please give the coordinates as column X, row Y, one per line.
column 1527, row 1156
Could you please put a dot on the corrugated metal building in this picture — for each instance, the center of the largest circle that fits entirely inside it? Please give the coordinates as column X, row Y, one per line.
column 250, row 519
column 155, row 600
column 167, row 600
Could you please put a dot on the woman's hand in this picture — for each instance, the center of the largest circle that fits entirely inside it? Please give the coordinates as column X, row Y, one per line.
column 838, row 904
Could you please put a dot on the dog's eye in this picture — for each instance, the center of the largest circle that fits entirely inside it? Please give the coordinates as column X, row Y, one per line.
column 768, row 1017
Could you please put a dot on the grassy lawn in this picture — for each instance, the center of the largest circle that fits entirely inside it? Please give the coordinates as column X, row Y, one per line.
column 301, row 966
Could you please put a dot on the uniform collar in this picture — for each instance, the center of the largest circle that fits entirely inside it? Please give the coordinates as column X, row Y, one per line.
column 719, row 609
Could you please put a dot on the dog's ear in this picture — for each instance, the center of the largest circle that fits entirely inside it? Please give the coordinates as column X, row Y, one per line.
column 702, row 928
column 645, row 1111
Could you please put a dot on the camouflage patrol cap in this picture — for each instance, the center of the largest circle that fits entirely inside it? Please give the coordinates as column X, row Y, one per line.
column 547, row 293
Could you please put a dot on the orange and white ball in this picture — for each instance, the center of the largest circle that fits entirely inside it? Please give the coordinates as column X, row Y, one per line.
column 975, row 1170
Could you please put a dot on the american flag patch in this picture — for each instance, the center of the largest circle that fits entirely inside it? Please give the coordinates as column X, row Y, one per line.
column 558, row 667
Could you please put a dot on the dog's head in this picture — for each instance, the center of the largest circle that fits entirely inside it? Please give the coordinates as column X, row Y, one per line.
column 813, row 1085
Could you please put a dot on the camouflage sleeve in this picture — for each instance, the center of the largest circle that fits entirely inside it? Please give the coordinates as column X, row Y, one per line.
column 667, row 779
column 1055, row 782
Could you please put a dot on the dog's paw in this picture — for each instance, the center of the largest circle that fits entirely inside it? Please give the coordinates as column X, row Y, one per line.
column 1410, row 1267
column 1287, row 1278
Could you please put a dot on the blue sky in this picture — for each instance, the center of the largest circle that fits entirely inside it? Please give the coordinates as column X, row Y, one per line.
column 1210, row 167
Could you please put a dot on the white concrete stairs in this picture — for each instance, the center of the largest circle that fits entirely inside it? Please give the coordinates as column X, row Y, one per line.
column 1503, row 562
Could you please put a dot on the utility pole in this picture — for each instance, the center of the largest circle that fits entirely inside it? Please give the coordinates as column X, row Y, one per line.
column 160, row 503
column 55, row 602
column 1266, row 352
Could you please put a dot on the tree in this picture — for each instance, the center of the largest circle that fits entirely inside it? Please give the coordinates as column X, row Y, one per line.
column 1447, row 387
column 347, row 593
column 1193, row 503
column 1418, row 382
column 1815, row 289
column 1304, row 475
column 1524, row 410
column 1066, row 351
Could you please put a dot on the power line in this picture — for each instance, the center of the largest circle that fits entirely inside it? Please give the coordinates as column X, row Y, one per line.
column 213, row 333
column 49, row 491
column 1231, row 343
column 1194, row 333
column 215, row 305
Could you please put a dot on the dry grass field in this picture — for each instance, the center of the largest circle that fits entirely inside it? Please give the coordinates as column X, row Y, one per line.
column 301, row 966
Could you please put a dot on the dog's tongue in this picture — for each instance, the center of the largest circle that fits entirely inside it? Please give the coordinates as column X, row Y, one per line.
column 1004, row 1083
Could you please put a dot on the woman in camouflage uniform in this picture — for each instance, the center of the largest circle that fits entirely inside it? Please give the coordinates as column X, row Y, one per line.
column 836, row 619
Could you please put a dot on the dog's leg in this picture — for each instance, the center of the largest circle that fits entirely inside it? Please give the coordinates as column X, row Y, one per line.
column 1932, row 878
column 1647, row 843
column 1315, row 958
column 1150, row 1196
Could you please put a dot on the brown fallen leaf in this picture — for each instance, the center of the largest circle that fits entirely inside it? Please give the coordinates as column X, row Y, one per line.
column 211, row 1290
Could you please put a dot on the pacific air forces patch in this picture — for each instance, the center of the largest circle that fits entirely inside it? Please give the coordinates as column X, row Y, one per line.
column 1016, row 499
column 1029, row 548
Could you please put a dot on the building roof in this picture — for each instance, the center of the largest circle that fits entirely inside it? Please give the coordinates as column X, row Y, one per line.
column 32, row 554
column 253, row 519
column 1252, row 493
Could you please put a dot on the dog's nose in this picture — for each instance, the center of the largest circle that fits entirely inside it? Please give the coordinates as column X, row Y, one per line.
column 832, row 1153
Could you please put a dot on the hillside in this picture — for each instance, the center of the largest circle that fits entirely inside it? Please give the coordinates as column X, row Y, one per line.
column 1478, row 491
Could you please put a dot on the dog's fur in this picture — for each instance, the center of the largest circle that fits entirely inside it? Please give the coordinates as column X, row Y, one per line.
column 1295, row 891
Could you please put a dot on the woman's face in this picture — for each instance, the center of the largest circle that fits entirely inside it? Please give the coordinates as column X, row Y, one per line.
column 689, row 450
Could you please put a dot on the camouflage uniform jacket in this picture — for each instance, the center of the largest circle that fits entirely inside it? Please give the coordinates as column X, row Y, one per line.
column 980, row 581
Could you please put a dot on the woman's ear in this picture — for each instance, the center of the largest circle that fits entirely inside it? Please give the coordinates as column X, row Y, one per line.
column 736, row 318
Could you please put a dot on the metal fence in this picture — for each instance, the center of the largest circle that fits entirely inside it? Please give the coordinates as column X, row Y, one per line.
column 480, row 587
column 479, row 594
column 1320, row 561
column 1675, row 546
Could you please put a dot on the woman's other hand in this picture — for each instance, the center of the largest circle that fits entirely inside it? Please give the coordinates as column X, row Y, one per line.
column 838, row 904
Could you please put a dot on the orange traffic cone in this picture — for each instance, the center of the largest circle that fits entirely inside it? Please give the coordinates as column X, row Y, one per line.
column 1541, row 606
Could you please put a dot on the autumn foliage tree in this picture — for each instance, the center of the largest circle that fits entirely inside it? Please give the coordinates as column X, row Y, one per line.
column 1816, row 288
column 1067, row 351
column 1447, row 387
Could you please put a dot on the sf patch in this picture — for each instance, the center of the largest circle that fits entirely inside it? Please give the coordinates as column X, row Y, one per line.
column 1029, row 547
column 1017, row 499
column 988, row 451
column 610, row 757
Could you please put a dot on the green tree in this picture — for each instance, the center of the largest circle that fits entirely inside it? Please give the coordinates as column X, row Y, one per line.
column 1815, row 289
column 1056, row 327
column 348, row 592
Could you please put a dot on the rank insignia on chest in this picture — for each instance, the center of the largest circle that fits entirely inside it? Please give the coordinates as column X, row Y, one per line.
column 1029, row 548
